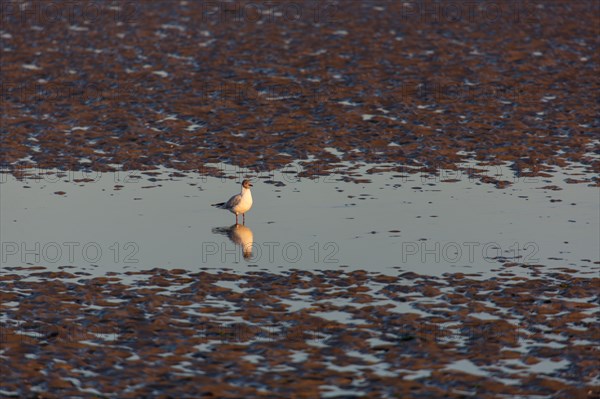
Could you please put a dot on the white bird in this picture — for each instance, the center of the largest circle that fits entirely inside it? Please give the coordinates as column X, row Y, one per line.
column 240, row 203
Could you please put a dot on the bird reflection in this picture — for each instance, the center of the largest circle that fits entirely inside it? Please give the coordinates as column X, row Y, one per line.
column 240, row 235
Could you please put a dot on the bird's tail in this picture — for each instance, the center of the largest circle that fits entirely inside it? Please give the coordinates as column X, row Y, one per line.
column 219, row 205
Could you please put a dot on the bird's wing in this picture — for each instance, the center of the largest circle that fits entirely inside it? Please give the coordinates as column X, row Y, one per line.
column 233, row 201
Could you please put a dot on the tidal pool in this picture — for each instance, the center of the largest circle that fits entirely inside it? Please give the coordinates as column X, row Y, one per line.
column 392, row 282
column 113, row 222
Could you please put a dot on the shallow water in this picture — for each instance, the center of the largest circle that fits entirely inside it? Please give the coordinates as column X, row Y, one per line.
column 396, row 222
column 420, row 298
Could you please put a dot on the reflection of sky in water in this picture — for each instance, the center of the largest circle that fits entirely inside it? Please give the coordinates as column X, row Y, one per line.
column 307, row 224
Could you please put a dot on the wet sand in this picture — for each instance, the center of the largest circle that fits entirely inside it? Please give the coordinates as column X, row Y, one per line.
column 175, row 333
column 424, row 85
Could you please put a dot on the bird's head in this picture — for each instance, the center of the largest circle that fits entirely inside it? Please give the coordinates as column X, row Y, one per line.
column 246, row 184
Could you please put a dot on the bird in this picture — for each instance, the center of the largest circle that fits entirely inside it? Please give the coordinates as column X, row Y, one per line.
column 239, row 235
column 239, row 203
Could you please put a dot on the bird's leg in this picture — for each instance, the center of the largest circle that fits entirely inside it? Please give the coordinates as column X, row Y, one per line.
column 236, row 222
column 244, row 218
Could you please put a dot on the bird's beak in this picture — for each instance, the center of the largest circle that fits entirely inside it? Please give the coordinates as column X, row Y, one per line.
column 251, row 185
